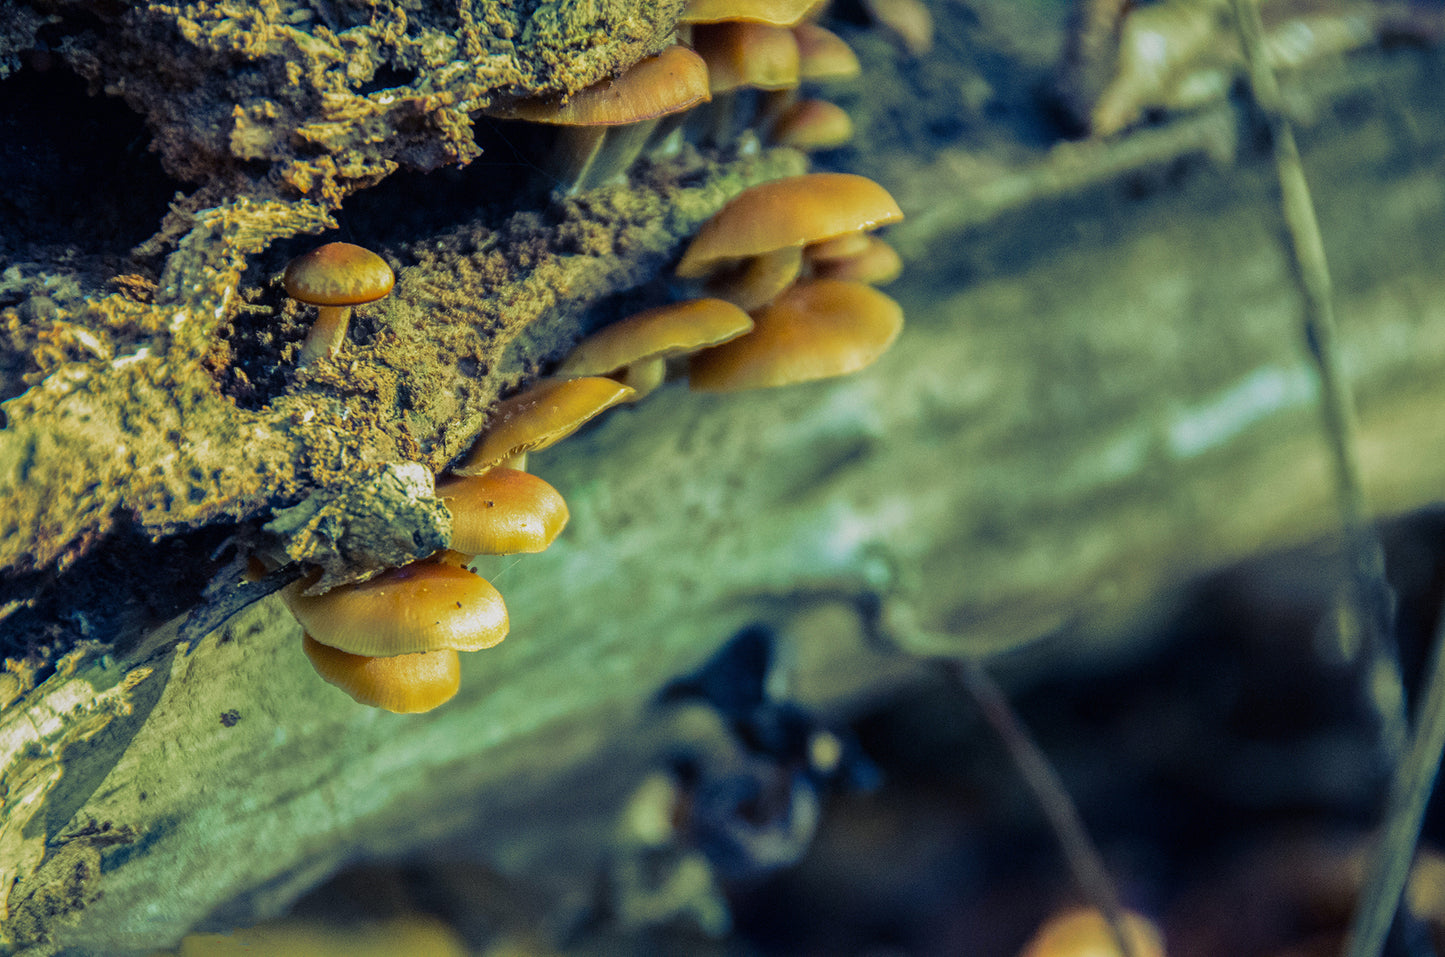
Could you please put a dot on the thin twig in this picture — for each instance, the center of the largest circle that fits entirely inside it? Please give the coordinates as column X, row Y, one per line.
column 1409, row 793
column 1369, row 592
column 1083, row 857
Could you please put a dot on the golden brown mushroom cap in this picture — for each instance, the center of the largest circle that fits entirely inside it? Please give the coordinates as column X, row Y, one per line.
column 539, row 416
column 405, row 684
column 839, row 247
column 757, row 281
column 675, row 329
column 910, row 20
column 814, row 330
column 424, row 606
column 502, row 512
column 669, row 82
column 813, row 125
column 1083, row 932
column 338, row 274
column 794, row 211
column 823, row 55
column 752, row 55
column 877, row 264
column 780, row 13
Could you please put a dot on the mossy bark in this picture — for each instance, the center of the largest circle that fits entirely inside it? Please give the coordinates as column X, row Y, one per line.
column 1100, row 392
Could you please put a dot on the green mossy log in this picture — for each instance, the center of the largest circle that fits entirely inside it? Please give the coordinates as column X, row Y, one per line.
column 1100, row 393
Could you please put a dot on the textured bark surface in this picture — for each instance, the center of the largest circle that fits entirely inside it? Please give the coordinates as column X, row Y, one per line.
column 1100, row 392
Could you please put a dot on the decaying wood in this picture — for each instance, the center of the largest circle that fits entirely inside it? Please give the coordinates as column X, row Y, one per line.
column 1100, row 393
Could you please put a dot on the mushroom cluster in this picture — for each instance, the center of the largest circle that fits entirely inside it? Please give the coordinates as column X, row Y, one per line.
column 783, row 277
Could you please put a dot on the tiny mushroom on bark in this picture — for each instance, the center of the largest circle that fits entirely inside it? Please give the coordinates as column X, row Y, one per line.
column 636, row 349
column 779, row 13
column 796, row 211
column 840, row 247
column 424, row 606
column 877, row 264
column 404, row 684
column 815, row 330
column 823, row 55
column 746, row 54
column 812, row 125
column 502, row 512
column 605, row 126
column 1083, row 932
column 539, row 416
column 333, row 278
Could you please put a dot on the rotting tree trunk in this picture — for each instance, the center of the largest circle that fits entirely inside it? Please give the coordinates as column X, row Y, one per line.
column 1101, row 392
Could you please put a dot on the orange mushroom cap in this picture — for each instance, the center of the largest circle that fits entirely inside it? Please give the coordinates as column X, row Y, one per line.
column 780, row 13
column 815, row 330
column 502, row 512
column 794, row 211
column 675, row 329
column 424, row 606
column 877, row 264
column 909, row 20
column 673, row 80
column 1083, row 932
column 405, row 684
column 823, row 55
column 752, row 55
column 539, row 416
column 839, row 247
column 338, row 274
column 813, row 125
column 757, row 281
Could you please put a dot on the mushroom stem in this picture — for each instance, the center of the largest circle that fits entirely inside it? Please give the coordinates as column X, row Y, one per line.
column 645, row 375
column 326, row 336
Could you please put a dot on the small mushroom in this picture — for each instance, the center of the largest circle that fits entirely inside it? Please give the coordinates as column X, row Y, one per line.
column 812, row 125
column 908, row 20
column 333, row 278
column 605, row 126
column 877, row 264
column 823, row 56
column 779, row 13
column 839, row 247
column 637, row 348
column 539, row 416
column 502, row 512
column 796, row 211
column 424, row 606
column 746, row 54
column 754, row 282
column 1083, row 932
column 404, row 684
column 815, row 330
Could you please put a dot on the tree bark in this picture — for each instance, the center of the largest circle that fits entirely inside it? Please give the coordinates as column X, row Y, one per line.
column 1101, row 392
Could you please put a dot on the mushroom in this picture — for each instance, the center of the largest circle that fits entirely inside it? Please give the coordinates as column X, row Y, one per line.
column 812, row 125
column 1083, row 932
column 333, row 278
column 606, row 125
column 792, row 212
column 746, row 54
column 877, row 264
column 815, row 330
column 779, row 13
column 502, row 512
column 546, row 413
column 824, row 56
column 636, row 349
column 908, row 20
column 404, row 684
column 424, row 606
column 753, row 283
column 839, row 247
